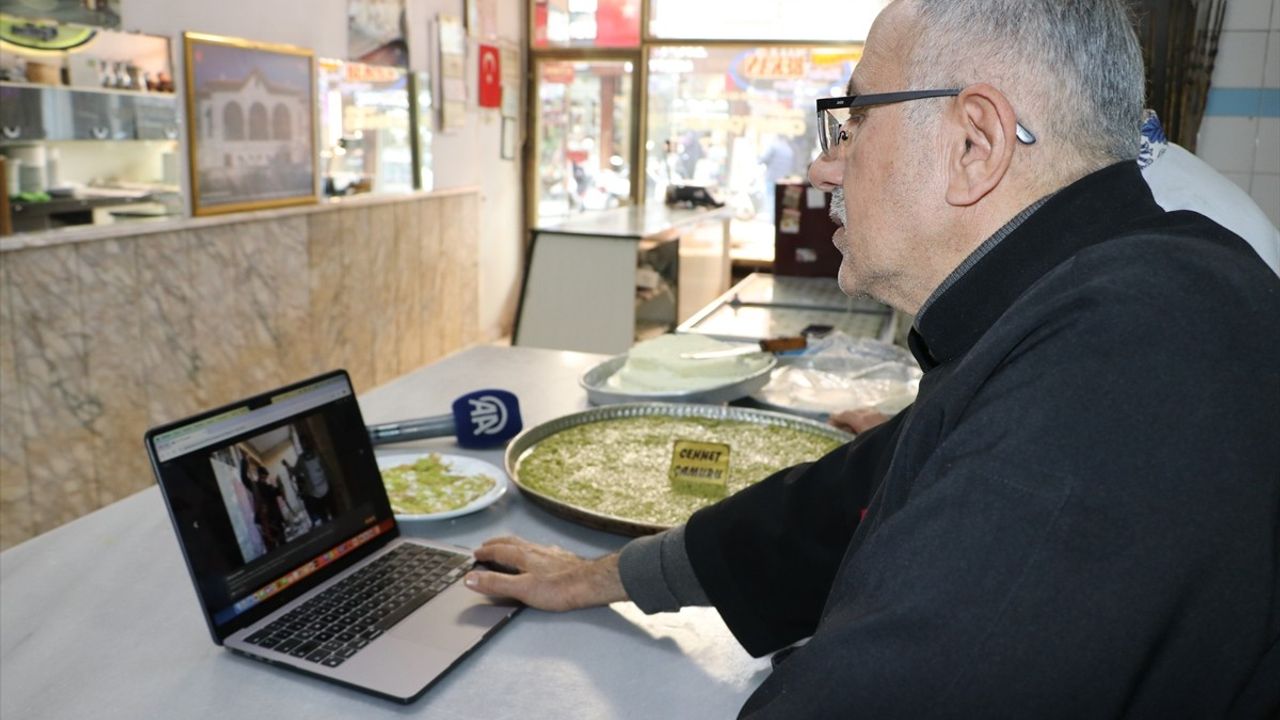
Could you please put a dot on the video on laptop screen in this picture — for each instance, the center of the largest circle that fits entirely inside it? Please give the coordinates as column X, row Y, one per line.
column 267, row 496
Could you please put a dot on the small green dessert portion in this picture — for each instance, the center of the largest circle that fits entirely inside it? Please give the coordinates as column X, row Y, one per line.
column 429, row 486
column 620, row 467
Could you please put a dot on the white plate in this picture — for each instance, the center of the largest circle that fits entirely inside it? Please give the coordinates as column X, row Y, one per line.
column 596, row 382
column 460, row 464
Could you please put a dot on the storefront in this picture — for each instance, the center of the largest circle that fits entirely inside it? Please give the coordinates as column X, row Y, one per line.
column 630, row 97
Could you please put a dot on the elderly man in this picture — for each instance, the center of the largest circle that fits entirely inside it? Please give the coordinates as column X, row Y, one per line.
column 1080, row 514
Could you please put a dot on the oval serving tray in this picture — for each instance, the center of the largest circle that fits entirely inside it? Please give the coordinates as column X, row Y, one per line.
column 527, row 440
column 595, row 382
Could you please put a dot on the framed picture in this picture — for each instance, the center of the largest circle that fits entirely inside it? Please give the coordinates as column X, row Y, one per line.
column 376, row 32
column 250, row 122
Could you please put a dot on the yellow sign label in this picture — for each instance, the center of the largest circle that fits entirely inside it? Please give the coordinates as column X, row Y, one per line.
column 700, row 467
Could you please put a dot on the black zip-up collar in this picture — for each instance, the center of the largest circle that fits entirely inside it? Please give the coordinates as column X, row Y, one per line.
column 1091, row 210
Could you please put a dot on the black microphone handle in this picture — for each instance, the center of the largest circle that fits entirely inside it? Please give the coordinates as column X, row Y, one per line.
column 406, row 430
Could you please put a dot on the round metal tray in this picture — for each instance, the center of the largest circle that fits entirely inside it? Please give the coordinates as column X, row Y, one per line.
column 595, row 382
column 527, row 440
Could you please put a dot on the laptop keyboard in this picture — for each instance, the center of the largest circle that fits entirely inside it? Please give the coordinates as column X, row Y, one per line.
column 333, row 626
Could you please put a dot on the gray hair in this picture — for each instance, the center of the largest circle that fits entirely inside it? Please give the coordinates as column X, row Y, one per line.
column 1072, row 68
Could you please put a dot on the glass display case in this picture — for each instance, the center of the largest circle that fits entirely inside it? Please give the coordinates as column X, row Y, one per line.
column 366, row 134
column 89, row 125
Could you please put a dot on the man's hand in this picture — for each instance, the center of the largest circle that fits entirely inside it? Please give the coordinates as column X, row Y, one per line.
column 857, row 421
column 546, row 577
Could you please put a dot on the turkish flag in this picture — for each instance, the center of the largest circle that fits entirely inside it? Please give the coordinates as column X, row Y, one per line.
column 490, row 77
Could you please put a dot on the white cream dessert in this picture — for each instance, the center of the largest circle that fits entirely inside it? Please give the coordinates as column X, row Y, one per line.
column 655, row 365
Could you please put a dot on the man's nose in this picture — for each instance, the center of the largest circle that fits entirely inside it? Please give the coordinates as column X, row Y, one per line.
column 826, row 172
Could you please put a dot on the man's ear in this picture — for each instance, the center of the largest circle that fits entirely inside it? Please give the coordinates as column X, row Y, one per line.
column 982, row 144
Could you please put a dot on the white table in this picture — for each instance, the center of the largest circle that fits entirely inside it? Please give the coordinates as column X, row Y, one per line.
column 98, row 617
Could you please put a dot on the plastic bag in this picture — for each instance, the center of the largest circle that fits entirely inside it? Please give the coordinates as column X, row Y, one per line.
column 838, row 372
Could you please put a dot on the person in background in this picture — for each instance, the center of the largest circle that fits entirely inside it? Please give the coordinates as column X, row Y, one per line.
column 1079, row 517
column 313, row 481
column 778, row 160
column 581, row 182
column 273, row 505
column 266, row 511
column 1182, row 181
column 691, row 152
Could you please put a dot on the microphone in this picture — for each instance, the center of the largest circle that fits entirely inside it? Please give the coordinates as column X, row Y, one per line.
column 480, row 419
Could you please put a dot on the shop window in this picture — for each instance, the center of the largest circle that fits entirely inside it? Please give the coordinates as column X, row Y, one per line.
column 365, row 131
column 793, row 20
column 586, row 23
column 739, row 118
column 583, row 137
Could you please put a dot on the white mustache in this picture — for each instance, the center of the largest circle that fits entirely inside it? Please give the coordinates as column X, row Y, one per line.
column 837, row 212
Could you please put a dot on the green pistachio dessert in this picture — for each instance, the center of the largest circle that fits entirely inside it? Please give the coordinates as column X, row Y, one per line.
column 430, row 486
column 621, row 467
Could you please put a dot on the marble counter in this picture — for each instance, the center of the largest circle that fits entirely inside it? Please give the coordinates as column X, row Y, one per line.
column 100, row 338
column 135, row 228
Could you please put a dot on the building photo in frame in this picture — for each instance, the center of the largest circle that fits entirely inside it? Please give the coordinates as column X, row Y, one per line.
column 251, row 124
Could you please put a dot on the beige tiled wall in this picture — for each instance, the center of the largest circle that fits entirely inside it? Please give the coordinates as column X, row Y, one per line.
column 100, row 340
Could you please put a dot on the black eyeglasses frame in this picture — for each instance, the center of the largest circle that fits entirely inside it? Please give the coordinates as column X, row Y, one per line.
column 850, row 102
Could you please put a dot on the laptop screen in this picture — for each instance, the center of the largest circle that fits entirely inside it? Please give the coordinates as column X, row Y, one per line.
column 272, row 495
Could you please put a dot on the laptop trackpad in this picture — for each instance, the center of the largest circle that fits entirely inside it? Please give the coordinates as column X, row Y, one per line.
column 455, row 619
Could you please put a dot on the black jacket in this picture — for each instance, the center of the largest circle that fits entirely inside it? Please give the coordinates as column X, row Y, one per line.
column 1079, row 517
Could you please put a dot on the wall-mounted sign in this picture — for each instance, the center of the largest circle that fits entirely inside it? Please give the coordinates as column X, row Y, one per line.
column 773, row 64
column 557, row 73
column 365, row 73
column 834, row 56
column 453, row 81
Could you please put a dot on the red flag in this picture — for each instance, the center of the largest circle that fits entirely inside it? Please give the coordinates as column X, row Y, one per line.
column 490, row 77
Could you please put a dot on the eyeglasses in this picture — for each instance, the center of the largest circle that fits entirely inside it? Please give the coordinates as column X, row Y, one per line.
column 834, row 113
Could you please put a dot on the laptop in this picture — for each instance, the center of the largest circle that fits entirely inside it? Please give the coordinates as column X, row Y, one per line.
column 295, row 554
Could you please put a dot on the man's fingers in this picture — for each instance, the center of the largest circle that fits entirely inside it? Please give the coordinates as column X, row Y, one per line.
column 504, row 540
column 501, row 584
column 510, row 555
column 857, row 421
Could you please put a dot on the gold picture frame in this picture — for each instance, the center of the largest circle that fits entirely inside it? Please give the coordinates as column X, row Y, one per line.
column 250, row 124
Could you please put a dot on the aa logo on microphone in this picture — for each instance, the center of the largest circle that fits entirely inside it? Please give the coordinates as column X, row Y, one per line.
column 488, row 414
